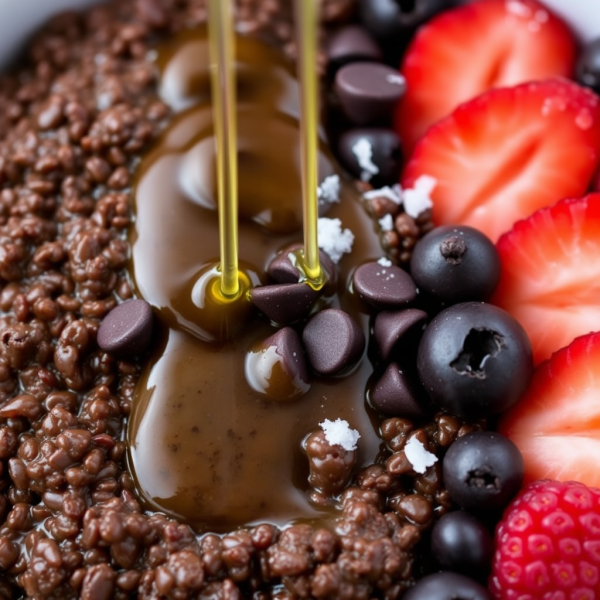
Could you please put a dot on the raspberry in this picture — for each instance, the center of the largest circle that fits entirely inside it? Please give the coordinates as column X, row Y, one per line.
column 548, row 544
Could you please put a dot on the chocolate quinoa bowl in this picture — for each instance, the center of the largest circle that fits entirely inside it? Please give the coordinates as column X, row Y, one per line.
column 78, row 117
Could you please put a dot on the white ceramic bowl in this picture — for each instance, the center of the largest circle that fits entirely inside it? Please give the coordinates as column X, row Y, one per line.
column 19, row 18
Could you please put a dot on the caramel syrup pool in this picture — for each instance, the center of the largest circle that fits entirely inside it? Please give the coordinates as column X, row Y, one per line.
column 203, row 445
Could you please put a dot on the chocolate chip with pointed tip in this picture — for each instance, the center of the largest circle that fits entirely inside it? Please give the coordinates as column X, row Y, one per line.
column 384, row 287
column 127, row 329
column 277, row 367
column 395, row 395
column 391, row 326
column 352, row 43
column 284, row 303
column 283, row 269
column 369, row 92
column 333, row 341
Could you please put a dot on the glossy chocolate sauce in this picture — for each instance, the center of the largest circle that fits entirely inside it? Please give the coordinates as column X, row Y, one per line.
column 204, row 445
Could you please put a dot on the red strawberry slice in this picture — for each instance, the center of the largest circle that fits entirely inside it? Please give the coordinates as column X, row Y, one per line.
column 509, row 152
column 556, row 425
column 550, row 279
column 468, row 50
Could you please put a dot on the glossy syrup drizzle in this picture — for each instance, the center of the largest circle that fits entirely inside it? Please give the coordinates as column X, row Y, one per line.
column 306, row 27
column 222, row 68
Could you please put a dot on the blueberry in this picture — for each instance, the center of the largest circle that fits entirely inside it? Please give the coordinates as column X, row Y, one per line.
column 387, row 19
column 474, row 360
column 447, row 586
column 456, row 264
column 483, row 471
column 350, row 44
column 588, row 66
column 462, row 543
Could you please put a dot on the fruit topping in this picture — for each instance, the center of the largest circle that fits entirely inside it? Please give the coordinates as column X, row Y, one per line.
column 456, row 264
column 468, row 50
column 548, row 544
column 369, row 92
column 588, row 66
column 483, row 471
column 556, row 423
column 373, row 155
column 447, row 586
column 474, row 360
column 508, row 152
column 390, row 20
column 351, row 43
column 383, row 286
column 550, row 278
column 127, row 329
column 461, row 543
column 334, row 341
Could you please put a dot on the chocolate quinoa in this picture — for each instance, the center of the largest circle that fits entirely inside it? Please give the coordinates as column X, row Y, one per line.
column 74, row 122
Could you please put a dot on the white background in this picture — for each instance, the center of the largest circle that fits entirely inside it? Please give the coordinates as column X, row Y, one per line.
column 18, row 18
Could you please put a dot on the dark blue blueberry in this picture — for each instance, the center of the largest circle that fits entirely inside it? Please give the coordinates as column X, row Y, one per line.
column 447, row 586
column 461, row 543
column 483, row 471
column 455, row 264
column 474, row 360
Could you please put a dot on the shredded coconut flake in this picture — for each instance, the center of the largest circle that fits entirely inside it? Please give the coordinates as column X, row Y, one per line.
column 391, row 193
column 334, row 241
column 384, row 262
column 396, row 79
column 386, row 223
column 417, row 199
column 363, row 151
column 329, row 190
column 339, row 433
column 420, row 458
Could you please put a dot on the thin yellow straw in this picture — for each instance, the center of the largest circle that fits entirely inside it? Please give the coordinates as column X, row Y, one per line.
column 307, row 41
column 222, row 53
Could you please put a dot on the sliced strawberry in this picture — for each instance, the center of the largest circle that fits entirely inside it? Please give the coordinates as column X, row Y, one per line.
column 509, row 152
column 556, row 425
column 465, row 51
column 550, row 279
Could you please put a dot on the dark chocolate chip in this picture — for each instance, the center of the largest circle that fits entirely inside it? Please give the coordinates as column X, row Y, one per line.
column 127, row 329
column 284, row 303
column 394, row 395
column 333, row 340
column 277, row 366
column 283, row 269
column 384, row 287
column 372, row 154
column 391, row 325
column 368, row 92
column 350, row 44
